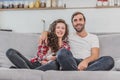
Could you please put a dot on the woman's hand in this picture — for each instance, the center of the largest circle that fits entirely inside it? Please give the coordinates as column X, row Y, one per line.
column 43, row 37
column 44, row 62
column 53, row 58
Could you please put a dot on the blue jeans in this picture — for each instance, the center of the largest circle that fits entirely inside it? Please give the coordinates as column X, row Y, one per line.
column 53, row 65
column 68, row 62
column 19, row 60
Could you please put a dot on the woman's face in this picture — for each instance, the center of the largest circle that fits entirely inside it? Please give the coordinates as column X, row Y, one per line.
column 60, row 30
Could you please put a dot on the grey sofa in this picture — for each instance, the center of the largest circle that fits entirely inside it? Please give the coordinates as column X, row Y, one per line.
column 26, row 43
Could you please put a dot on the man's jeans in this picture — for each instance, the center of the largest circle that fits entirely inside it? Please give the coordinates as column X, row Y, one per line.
column 68, row 62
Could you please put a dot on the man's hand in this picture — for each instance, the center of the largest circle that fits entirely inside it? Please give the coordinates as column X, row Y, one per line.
column 83, row 65
column 43, row 37
column 94, row 55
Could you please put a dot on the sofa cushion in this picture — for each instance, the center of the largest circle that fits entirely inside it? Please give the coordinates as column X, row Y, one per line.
column 4, row 62
column 25, row 43
column 117, row 65
column 110, row 45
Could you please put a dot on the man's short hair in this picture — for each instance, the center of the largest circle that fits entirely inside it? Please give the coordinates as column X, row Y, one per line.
column 76, row 13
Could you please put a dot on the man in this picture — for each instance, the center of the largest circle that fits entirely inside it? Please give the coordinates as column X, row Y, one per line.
column 84, row 53
column 84, row 48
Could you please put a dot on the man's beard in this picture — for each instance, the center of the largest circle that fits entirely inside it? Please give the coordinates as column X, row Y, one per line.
column 79, row 30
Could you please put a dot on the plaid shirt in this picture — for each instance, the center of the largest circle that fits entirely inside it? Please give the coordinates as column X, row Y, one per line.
column 43, row 49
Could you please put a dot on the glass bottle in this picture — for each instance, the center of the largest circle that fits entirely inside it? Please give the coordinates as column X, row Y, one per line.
column 6, row 3
column 16, row 3
column 43, row 4
column 1, row 4
column 26, row 4
column 19, row 4
column 118, row 3
column 37, row 4
column 99, row 2
column 11, row 4
column 48, row 3
column 111, row 2
column 54, row 3
column 60, row 3
column 105, row 2
column 31, row 4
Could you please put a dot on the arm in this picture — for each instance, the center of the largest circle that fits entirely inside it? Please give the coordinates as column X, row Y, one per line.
column 94, row 55
column 43, row 37
column 51, row 58
column 41, row 47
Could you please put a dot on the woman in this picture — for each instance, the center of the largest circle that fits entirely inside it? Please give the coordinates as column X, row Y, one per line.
column 57, row 39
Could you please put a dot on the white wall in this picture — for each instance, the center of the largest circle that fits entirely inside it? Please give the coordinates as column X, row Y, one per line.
column 29, row 21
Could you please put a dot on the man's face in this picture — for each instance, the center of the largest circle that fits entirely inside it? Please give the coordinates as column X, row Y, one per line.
column 78, row 23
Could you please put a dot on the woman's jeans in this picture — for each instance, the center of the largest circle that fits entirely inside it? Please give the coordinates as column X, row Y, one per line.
column 68, row 62
column 19, row 60
column 53, row 65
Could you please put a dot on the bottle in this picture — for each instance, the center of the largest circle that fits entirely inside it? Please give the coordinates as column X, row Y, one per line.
column 31, row 4
column 115, row 2
column 99, row 3
column 1, row 4
column 48, row 3
column 118, row 3
column 37, row 4
column 26, row 4
column 11, row 4
column 22, row 2
column 54, row 3
column 105, row 2
column 60, row 3
column 19, row 3
column 4, row 4
column 111, row 2
column 43, row 4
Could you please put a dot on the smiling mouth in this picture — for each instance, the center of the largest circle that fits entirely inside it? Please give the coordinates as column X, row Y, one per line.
column 60, row 33
column 79, row 25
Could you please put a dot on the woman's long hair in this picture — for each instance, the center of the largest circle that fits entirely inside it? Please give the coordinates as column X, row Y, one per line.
column 53, row 42
column 53, row 39
column 53, row 27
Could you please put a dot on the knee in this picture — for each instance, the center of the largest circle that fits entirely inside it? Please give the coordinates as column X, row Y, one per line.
column 62, row 53
column 109, row 59
column 10, row 52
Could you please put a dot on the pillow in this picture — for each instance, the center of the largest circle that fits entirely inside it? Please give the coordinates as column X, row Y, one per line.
column 117, row 65
column 4, row 61
column 110, row 45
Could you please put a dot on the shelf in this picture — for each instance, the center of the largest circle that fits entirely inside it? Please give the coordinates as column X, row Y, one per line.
column 80, row 7
column 58, row 8
column 31, row 9
column 92, row 7
column 107, row 6
column 96, row 7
